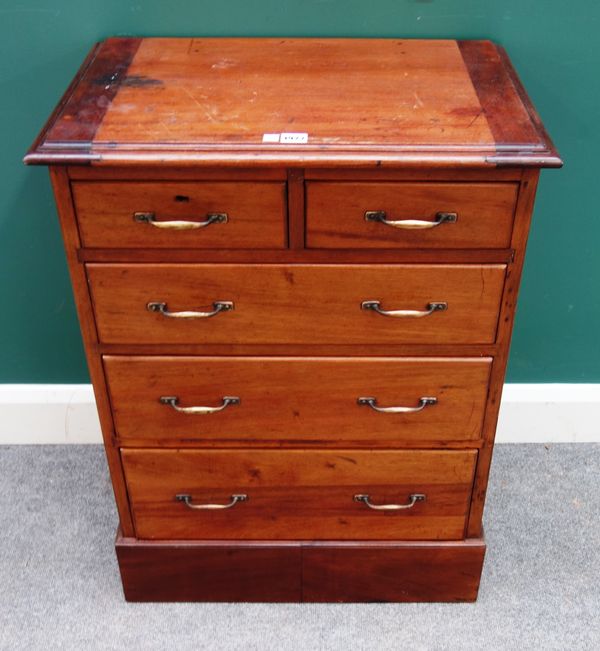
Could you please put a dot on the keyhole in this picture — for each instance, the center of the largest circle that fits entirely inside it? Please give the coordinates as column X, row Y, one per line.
column 181, row 198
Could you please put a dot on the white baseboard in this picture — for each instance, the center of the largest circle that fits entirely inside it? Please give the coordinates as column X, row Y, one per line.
column 48, row 413
column 530, row 413
column 549, row 413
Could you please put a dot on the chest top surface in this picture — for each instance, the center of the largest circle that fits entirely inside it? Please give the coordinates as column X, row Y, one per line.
column 365, row 101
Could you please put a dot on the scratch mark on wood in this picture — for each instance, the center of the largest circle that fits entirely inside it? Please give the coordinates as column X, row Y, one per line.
column 472, row 122
column 224, row 63
column 140, row 81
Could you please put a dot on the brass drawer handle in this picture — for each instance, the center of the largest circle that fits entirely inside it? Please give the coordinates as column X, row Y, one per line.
column 423, row 402
column 178, row 224
column 173, row 401
column 187, row 500
column 413, row 499
column 411, row 224
column 161, row 308
column 434, row 306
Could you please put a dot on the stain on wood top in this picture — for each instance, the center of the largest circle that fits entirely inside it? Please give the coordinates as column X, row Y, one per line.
column 359, row 101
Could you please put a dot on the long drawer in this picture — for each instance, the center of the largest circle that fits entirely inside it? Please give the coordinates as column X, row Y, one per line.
column 296, row 304
column 203, row 215
column 409, row 215
column 319, row 400
column 297, row 494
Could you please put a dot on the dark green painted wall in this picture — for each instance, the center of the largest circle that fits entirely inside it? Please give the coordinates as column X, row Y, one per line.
column 554, row 45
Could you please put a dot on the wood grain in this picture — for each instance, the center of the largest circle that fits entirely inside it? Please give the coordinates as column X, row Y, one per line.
column 329, row 571
column 296, row 209
column 509, row 112
column 140, row 440
column 335, row 215
column 506, row 321
column 256, row 214
column 166, row 172
column 423, row 175
column 83, row 112
column 297, row 398
column 376, row 572
column 298, row 494
column 385, row 102
column 296, row 304
column 299, row 256
column 67, row 97
column 307, row 350
column 205, row 571
column 68, row 133
column 412, row 127
column 68, row 224
column 180, row 173
column 296, row 85
column 505, row 113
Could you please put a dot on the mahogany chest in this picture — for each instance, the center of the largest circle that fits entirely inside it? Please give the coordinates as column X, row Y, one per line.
column 295, row 263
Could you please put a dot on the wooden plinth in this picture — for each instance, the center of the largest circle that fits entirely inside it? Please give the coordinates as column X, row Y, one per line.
column 326, row 571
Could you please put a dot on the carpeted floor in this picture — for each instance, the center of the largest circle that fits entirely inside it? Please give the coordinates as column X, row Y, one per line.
column 60, row 589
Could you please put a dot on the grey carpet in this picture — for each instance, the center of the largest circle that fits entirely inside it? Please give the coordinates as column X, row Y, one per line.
column 60, row 589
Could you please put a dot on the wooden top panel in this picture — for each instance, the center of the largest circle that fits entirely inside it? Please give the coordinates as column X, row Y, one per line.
column 360, row 101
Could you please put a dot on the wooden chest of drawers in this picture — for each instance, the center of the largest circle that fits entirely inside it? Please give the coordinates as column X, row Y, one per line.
column 296, row 264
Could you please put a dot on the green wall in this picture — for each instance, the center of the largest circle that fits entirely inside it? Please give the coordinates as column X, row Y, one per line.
column 553, row 44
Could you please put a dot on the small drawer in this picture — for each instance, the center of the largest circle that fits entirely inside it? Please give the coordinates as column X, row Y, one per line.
column 199, row 215
column 296, row 304
column 298, row 494
column 409, row 215
column 322, row 401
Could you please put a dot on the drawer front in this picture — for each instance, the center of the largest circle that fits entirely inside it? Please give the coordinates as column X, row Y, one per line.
column 111, row 215
column 335, row 214
column 297, row 494
column 295, row 304
column 297, row 399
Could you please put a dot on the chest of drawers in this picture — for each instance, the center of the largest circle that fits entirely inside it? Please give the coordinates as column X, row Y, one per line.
column 295, row 263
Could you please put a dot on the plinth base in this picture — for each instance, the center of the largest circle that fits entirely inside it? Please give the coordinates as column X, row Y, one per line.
column 300, row 571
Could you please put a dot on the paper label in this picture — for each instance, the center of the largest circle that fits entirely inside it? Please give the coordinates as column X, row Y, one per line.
column 270, row 137
column 294, row 138
column 286, row 138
